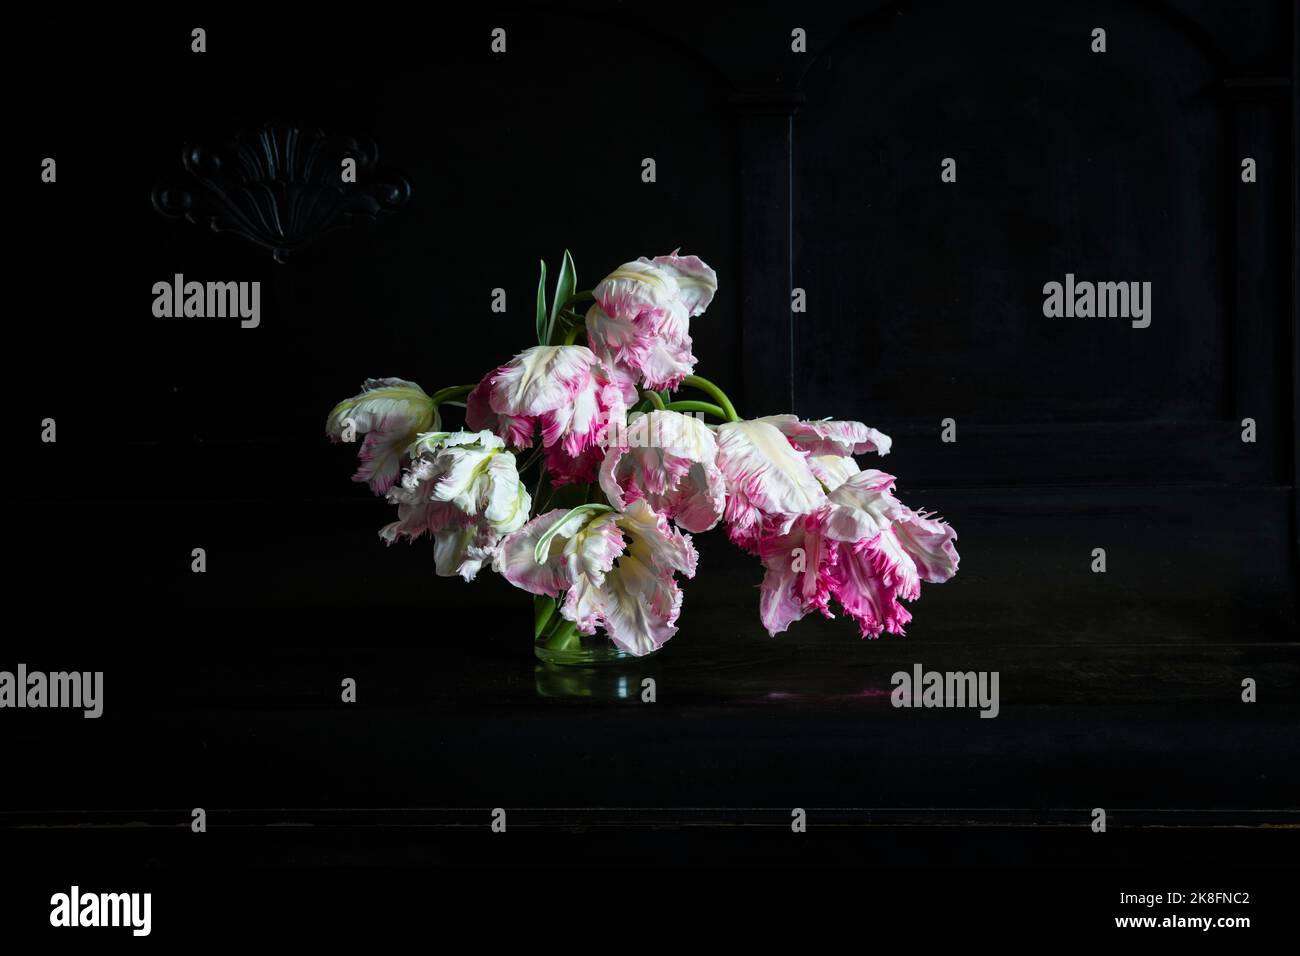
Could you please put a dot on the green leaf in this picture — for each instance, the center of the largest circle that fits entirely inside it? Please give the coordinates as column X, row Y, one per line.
column 543, row 330
column 565, row 284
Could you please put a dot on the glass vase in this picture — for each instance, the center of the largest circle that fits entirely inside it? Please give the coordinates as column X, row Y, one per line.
column 557, row 641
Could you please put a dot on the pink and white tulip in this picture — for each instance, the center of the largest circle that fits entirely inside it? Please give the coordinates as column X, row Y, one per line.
column 669, row 460
column 615, row 569
column 826, row 437
column 390, row 412
column 865, row 549
column 640, row 324
column 564, row 389
column 769, row 482
column 463, row 489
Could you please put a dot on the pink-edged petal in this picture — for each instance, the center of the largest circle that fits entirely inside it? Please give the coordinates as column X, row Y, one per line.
column 461, row 551
column 928, row 540
column 541, row 379
column 669, row 459
column 390, row 412
column 701, row 499
column 767, row 478
column 417, row 512
column 796, row 578
column 655, row 542
column 516, row 430
column 826, row 437
column 870, row 578
column 380, row 457
column 696, row 282
column 667, row 362
column 859, row 506
column 564, row 469
column 515, row 556
column 652, row 346
column 635, row 288
column 639, row 606
column 833, row 470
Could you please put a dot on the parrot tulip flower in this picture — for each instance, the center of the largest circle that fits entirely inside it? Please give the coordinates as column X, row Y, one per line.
column 769, row 482
column 865, row 549
column 616, row 570
column 390, row 412
column 668, row 459
column 640, row 323
column 463, row 489
column 563, row 388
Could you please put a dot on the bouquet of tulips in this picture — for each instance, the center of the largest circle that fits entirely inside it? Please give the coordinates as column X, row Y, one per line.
column 626, row 471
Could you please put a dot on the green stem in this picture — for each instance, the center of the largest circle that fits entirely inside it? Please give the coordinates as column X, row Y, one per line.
column 543, row 611
column 704, row 385
column 587, row 295
column 707, row 407
column 445, row 395
column 563, row 638
column 573, row 334
column 456, row 391
column 653, row 398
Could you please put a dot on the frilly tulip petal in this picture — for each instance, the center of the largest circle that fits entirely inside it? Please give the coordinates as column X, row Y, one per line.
column 859, row 506
column 652, row 347
column 640, row 324
column 462, row 488
column 390, row 412
column 833, row 470
column 516, row 560
column 564, row 389
column 462, row 551
column 864, row 548
column 670, row 460
column 655, row 543
column 616, row 567
column 417, row 512
column 696, row 282
column 796, row 578
column 928, row 541
column 635, row 288
column 640, row 607
column 826, row 437
column 869, row 578
column 541, row 379
column 768, row 480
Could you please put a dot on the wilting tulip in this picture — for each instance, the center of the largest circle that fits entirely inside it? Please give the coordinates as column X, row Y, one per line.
column 390, row 412
column 616, row 570
column 463, row 489
column 668, row 459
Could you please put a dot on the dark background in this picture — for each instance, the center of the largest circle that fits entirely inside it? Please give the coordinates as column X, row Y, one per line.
column 819, row 171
